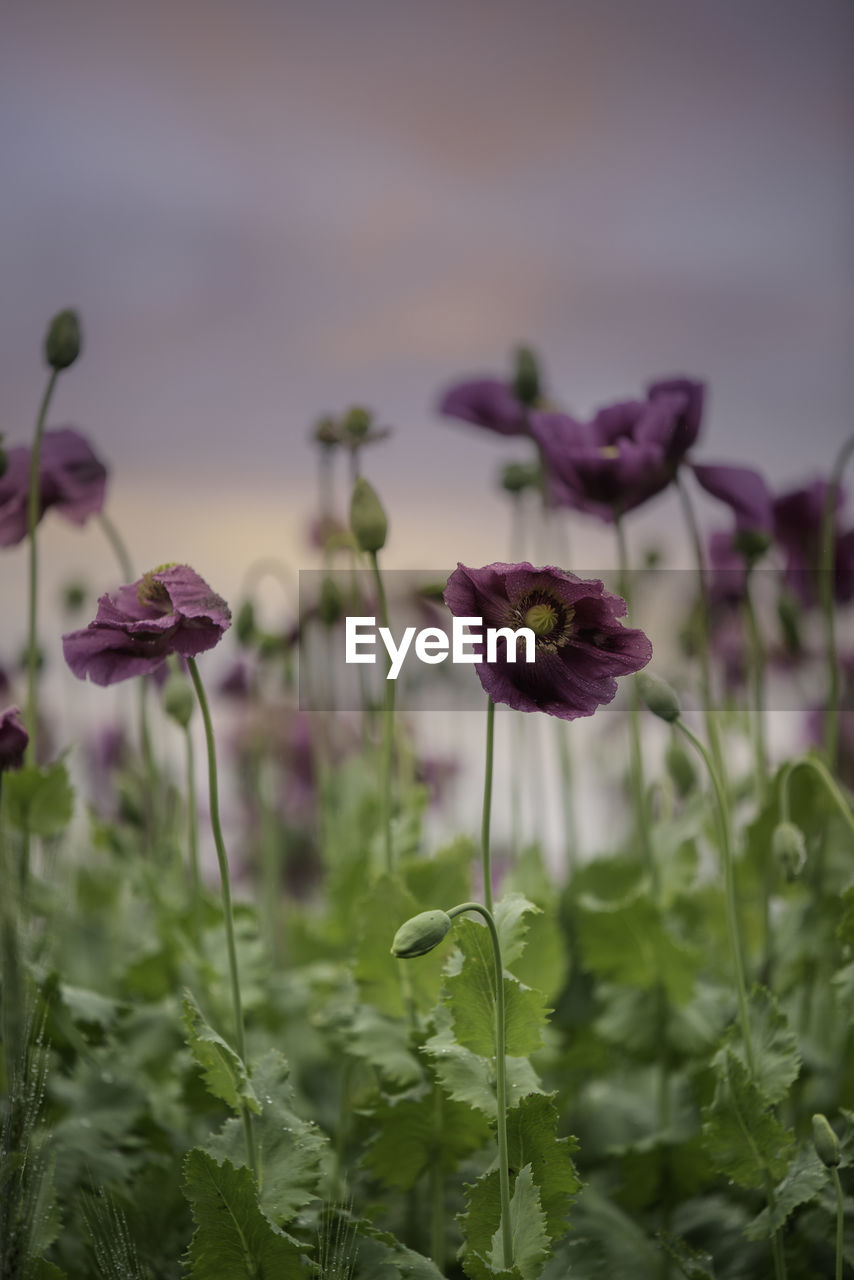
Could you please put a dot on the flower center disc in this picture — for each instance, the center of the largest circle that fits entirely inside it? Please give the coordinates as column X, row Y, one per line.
column 541, row 618
column 153, row 593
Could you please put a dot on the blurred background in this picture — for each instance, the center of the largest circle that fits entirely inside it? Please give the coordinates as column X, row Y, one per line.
column 268, row 211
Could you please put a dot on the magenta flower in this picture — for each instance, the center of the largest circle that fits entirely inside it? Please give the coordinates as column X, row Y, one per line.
column 71, row 480
column 581, row 647
column 13, row 739
column 627, row 453
column 487, row 402
column 744, row 492
column 170, row 610
column 798, row 515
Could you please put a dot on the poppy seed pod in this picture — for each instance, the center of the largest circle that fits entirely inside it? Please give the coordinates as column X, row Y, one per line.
column 420, row 934
column 367, row 518
column 825, row 1141
column 789, row 849
column 659, row 698
column 179, row 699
column 62, row 342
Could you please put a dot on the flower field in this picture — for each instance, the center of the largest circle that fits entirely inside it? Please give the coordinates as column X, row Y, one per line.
column 258, row 1021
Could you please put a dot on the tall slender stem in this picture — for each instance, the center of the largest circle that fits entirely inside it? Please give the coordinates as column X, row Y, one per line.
column 636, row 754
column 840, row 1221
column 486, row 816
column 119, row 548
column 437, row 1192
column 388, row 726
column 500, row 1077
column 570, row 830
column 33, row 513
column 192, row 823
column 820, row 769
column 827, row 575
column 225, row 882
column 756, row 663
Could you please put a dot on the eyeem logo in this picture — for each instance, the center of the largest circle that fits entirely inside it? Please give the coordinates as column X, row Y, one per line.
column 432, row 644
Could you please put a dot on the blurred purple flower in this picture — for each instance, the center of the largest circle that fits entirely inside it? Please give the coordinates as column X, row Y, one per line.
column 580, row 645
column 13, row 739
column 487, row 402
column 743, row 490
column 625, row 455
column 798, row 517
column 71, row 480
column 727, row 580
column 237, row 682
column 170, row 610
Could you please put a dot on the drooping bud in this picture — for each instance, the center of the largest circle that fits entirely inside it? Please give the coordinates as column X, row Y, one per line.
column 420, row 934
column 367, row 518
column 331, row 604
column 526, row 380
column 680, row 766
column 516, row 477
column 789, row 849
column 62, row 342
column 178, row 699
column 658, row 697
column 825, row 1141
column 244, row 624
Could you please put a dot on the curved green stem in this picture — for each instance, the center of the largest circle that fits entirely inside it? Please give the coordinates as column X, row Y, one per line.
column 500, row 1077
column 820, row 768
column 225, row 882
column 756, row 652
column 840, row 1221
column 117, row 544
column 828, row 569
column 486, row 816
column 33, row 513
column 193, row 825
column 388, row 726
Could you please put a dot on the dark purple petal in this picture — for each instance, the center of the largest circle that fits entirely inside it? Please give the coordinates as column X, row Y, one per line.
column 742, row 489
column 798, row 516
column 171, row 610
column 487, row 402
column 71, row 479
column 687, row 398
column 13, row 739
column 14, row 486
column 577, row 663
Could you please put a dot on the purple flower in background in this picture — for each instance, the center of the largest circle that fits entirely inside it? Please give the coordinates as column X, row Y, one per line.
column 581, row 647
column 13, row 739
column 626, row 454
column 170, row 610
column 743, row 490
column 798, row 517
column 487, row 402
column 71, row 480
column 727, row 570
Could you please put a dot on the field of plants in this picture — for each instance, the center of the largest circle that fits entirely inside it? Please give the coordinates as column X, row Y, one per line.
column 348, row 1050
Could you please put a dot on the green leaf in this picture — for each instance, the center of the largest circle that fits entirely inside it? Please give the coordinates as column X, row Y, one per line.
column 805, row 1179
column 776, row 1057
column 417, row 1132
column 468, row 1077
column 693, row 1264
column 380, row 1041
column 479, row 1224
column 470, row 996
column 532, row 1140
column 443, row 880
column 740, row 1134
column 291, row 1151
column 224, row 1071
column 385, row 982
column 89, row 1006
column 511, row 921
column 628, row 942
column 528, row 1228
column 233, row 1238
column 38, row 801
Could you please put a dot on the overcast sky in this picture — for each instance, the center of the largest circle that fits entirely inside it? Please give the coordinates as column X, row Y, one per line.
column 265, row 211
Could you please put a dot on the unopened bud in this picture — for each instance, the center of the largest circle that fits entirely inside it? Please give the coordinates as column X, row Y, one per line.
column 327, row 432
column 367, row 518
column 331, row 604
column 420, row 934
column 526, row 381
column 74, row 597
column 751, row 544
column 658, row 696
column 680, row 766
column 518, row 476
column 789, row 849
column 62, row 343
column 244, row 624
column 178, row 699
column 357, row 423
column 825, row 1141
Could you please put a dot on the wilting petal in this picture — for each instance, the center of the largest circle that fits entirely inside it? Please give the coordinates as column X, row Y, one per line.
column 742, row 489
column 487, row 402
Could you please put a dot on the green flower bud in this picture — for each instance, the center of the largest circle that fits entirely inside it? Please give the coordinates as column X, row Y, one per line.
column 751, row 544
column 244, row 624
column 367, row 518
column 327, row 432
column 420, row 934
column 331, row 603
column 357, row 423
column 62, row 343
column 825, row 1141
column 518, row 476
column 178, row 699
column 526, row 380
column 658, row 696
column 680, row 766
column 74, row 597
column 789, row 849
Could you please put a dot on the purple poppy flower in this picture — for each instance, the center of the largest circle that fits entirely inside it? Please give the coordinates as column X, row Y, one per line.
column 625, row 455
column 71, row 480
column 798, row 516
column 743, row 490
column 170, row 610
column 580, row 644
column 13, row 739
column 487, row 402
column 727, row 581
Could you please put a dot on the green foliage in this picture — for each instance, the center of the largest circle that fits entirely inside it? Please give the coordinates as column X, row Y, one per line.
column 422, row 1131
column 627, row 941
column 224, row 1072
column 39, row 801
column 740, row 1133
column 470, row 996
column 776, row 1056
